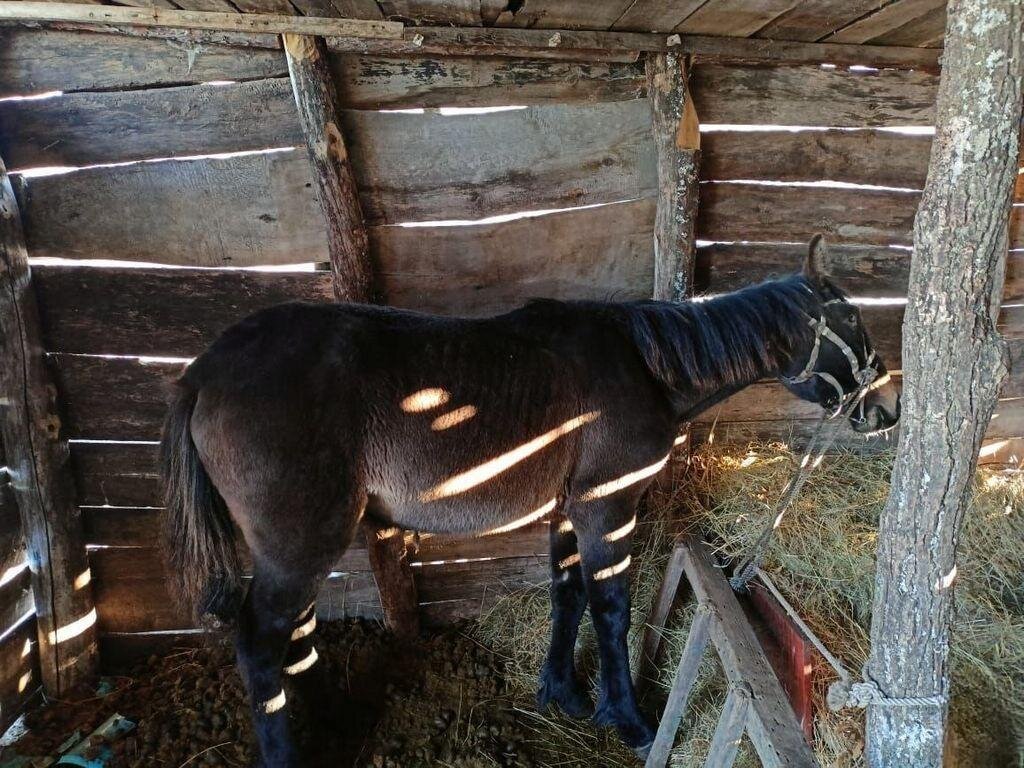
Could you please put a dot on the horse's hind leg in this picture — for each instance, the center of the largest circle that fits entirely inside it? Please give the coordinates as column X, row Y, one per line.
column 264, row 630
column 558, row 681
column 605, row 530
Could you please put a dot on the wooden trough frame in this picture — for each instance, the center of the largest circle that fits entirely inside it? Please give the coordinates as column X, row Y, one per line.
column 638, row 93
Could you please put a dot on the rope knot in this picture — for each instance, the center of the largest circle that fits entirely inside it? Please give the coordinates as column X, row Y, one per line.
column 845, row 693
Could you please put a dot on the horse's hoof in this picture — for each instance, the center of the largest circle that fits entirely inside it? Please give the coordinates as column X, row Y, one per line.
column 574, row 703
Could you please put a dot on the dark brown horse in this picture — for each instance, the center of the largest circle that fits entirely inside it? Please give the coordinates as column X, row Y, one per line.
column 304, row 417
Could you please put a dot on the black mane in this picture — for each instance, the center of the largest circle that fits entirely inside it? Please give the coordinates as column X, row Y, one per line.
column 722, row 342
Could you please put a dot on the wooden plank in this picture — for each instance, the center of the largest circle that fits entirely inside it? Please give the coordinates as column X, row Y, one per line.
column 885, row 19
column 246, row 211
column 36, row 61
column 764, row 213
column 408, row 167
column 370, row 82
column 37, row 456
column 725, row 743
column 793, row 96
column 816, row 19
column 458, row 13
column 774, row 52
column 733, row 18
column 772, row 726
column 682, row 684
column 480, row 580
column 928, row 30
column 15, row 600
column 881, row 158
column 567, row 14
column 99, row 311
column 19, row 670
column 239, row 22
column 677, row 139
column 656, row 15
column 654, row 627
column 590, row 253
column 89, row 128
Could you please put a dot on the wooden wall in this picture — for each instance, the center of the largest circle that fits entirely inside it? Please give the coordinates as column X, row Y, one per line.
column 579, row 137
column 140, row 119
column 759, row 205
column 19, row 652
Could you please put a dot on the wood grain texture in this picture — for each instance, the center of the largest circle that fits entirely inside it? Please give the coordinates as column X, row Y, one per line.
column 336, row 191
column 36, row 61
column 599, row 253
column 243, row 211
column 408, row 167
column 879, row 158
column 815, row 19
column 89, row 128
column 371, row 82
column 767, row 95
column 733, row 18
column 567, row 14
column 886, row 19
column 37, row 457
column 926, row 31
column 773, row 728
column 656, row 15
column 158, row 312
column 19, row 670
column 762, row 213
column 677, row 140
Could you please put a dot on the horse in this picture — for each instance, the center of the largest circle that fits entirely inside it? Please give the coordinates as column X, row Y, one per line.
column 303, row 418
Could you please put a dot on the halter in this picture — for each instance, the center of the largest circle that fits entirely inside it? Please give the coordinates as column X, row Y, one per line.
column 863, row 375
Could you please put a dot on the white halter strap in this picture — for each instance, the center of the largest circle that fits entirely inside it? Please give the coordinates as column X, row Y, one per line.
column 861, row 374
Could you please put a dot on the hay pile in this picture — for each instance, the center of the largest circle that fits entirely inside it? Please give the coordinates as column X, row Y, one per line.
column 823, row 560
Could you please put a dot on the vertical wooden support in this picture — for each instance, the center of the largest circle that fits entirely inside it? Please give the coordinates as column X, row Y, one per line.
column 682, row 684
column 677, row 137
column 654, row 629
column 38, row 464
column 953, row 364
column 319, row 115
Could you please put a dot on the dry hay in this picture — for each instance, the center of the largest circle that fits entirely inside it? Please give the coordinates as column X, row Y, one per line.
column 823, row 560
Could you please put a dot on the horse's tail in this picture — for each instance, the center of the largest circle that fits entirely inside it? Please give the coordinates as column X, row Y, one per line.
column 200, row 538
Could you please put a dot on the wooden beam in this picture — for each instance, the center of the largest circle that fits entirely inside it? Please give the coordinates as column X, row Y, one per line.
column 677, row 139
column 25, row 10
column 352, row 277
column 771, row 724
column 654, row 629
column 682, row 684
column 37, row 456
column 391, row 38
column 725, row 744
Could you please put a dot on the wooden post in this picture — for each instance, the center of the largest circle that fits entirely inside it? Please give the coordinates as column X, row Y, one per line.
column 348, row 248
column 953, row 364
column 677, row 137
column 38, row 464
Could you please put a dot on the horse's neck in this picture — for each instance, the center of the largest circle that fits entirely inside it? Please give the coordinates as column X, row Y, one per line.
column 756, row 343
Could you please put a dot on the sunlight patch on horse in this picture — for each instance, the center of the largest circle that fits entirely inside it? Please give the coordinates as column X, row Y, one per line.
column 425, row 400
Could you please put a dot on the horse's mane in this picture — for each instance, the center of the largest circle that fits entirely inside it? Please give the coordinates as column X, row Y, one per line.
column 724, row 341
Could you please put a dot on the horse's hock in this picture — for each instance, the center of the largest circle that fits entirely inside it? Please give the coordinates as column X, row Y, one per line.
column 166, row 171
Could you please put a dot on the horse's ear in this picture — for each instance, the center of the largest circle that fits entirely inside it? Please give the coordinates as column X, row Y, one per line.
column 814, row 264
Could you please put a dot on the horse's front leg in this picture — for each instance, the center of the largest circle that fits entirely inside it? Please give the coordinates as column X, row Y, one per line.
column 604, row 528
column 558, row 681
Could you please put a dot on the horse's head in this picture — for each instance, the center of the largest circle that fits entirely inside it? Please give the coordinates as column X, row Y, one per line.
column 835, row 363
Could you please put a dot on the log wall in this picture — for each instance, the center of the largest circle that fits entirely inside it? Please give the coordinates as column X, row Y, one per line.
column 177, row 221
column 19, row 648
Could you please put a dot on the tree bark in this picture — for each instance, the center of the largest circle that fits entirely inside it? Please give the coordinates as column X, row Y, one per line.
column 677, row 138
column 38, row 457
column 953, row 363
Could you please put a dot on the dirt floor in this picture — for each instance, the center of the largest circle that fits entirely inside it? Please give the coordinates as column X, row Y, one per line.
column 442, row 702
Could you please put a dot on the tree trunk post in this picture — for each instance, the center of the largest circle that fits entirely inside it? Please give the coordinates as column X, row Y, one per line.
column 40, row 475
column 352, row 271
column 954, row 362
column 677, row 138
